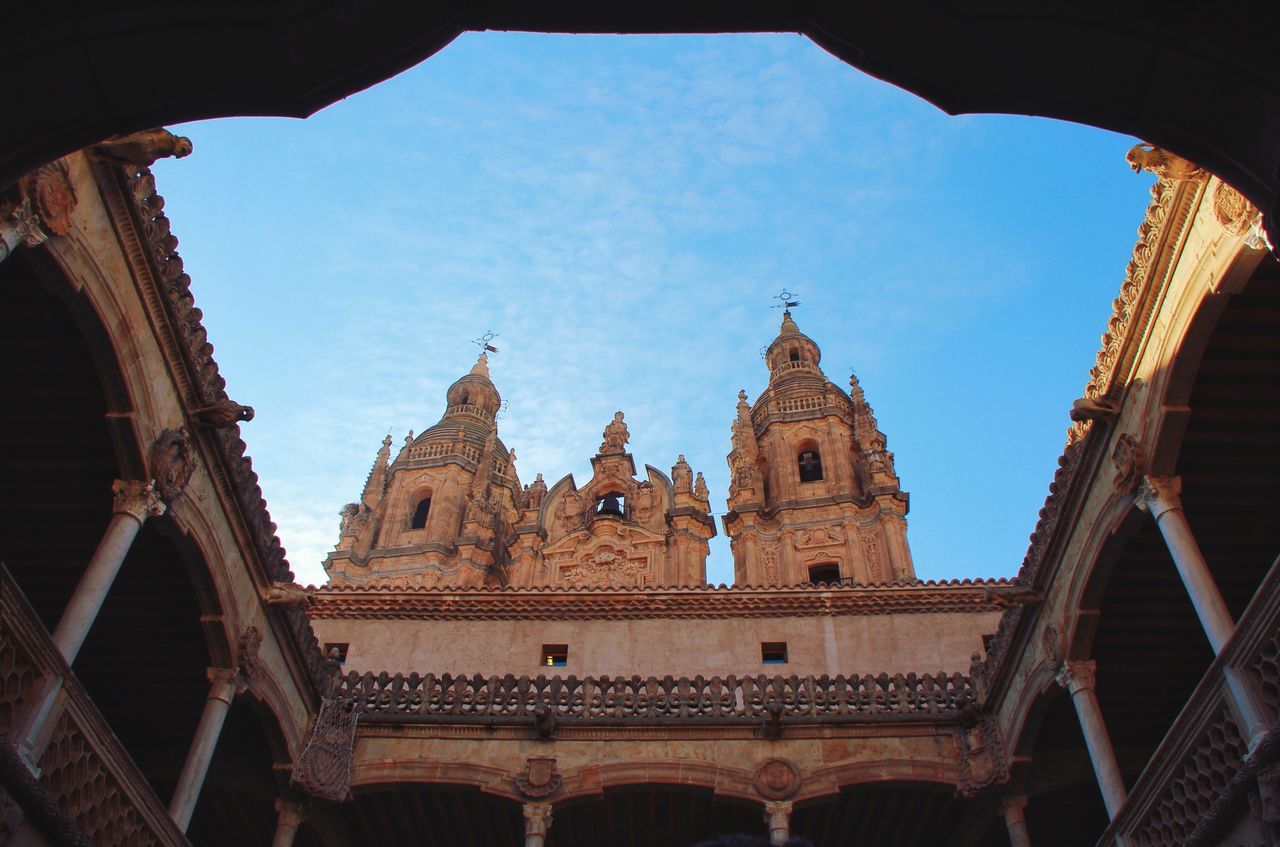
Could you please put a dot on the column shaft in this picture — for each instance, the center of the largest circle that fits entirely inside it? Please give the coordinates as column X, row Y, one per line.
column 94, row 584
column 1015, row 819
column 289, row 816
column 1205, row 597
column 1078, row 678
column 183, row 804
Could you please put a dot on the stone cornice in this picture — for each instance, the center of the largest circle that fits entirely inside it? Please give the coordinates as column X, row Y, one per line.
column 375, row 602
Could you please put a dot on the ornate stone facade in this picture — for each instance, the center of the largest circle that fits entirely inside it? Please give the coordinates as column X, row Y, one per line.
column 430, row 517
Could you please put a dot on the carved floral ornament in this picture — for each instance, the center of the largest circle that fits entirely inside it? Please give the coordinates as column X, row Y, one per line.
column 776, row 779
column 51, row 195
column 248, row 648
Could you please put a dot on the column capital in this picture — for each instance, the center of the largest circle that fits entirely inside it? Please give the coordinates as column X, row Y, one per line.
column 224, row 683
column 289, row 813
column 19, row 227
column 537, row 819
column 1012, row 805
column 775, row 808
column 1078, row 675
column 137, row 499
column 1159, row 494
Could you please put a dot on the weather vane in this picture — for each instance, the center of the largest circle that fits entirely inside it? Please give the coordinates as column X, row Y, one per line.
column 786, row 300
column 484, row 342
column 502, row 408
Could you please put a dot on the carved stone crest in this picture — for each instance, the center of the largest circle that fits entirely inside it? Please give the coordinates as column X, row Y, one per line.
column 983, row 762
column 1050, row 640
column 172, row 462
column 1128, row 460
column 539, row 779
column 604, row 567
column 1232, row 210
column 776, row 779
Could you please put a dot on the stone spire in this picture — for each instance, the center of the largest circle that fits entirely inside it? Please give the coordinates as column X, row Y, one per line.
column 376, row 483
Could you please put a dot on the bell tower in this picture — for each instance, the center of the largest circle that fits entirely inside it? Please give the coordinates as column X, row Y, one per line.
column 442, row 512
column 813, row 496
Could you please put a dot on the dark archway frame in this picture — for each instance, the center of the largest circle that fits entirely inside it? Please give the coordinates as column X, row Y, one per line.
column 1205, row 86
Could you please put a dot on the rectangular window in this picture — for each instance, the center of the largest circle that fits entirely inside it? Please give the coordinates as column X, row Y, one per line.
column 555, row 655
column 773, row 652
column 341, row 648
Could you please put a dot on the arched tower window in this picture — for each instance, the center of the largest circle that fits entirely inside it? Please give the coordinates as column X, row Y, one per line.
column 824, row 572
column 810, row 464
column 795, row 354
column 420, row 514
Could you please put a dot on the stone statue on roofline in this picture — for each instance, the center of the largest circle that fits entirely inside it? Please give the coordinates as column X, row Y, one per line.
column 615, row 436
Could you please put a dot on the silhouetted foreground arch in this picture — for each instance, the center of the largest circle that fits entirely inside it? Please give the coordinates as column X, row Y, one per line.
column 1204, row 86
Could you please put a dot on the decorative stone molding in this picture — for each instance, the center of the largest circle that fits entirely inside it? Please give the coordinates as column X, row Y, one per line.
column 173, row 462
column 380, row 599
column 137, row 499
column 1160, row 494
column 983, row 760
column 776, row 779
column 323, row 769
column 1128, row 461
column 537, row 819
column 1076, row 676
column 539, row 779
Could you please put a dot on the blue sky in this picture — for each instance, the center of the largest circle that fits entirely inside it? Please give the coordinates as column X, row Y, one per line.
column 621, row 210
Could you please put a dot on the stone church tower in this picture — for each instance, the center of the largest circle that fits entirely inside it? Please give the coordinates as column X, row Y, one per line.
column 813, row 496
column 442, row 511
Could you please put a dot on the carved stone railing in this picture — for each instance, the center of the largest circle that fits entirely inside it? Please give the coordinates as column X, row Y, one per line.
column 84, row 770
column 434, row 451
column 604, row 699
column 470, row 409
column 1186, row 793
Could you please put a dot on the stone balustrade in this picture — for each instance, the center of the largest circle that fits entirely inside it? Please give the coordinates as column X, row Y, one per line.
column 607, row 699
column 1195, row 786
column 83, row 769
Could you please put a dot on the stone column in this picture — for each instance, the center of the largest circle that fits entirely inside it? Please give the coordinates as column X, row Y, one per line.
column 777, row 814
column 1079, row 679
column 223, row 689
column 537, row 820
column 134, row 502
column 1015, row 819
column 1161, row 496
column 289, row 816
